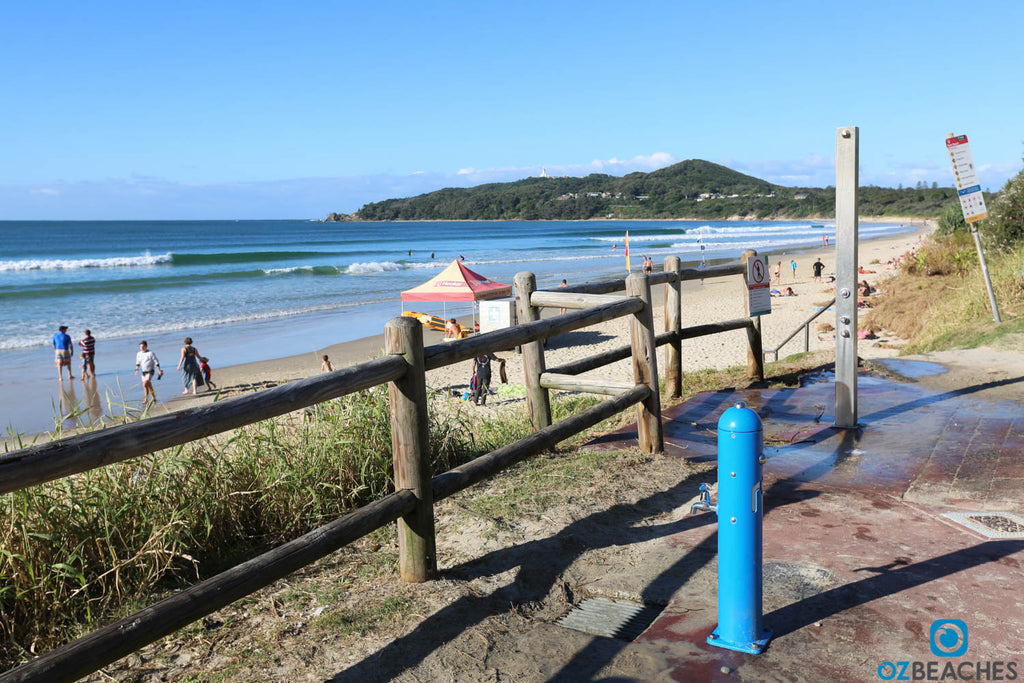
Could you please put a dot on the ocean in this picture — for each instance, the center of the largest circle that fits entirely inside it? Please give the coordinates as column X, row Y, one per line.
column 256, row 290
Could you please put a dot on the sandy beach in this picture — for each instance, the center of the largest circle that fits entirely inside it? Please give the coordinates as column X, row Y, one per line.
column 715, row 300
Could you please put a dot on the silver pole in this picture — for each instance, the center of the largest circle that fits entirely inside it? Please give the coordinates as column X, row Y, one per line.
column 984, row 271
column 847, row 165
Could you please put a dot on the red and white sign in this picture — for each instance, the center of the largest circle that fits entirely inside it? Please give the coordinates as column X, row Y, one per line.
column 759, row 286
column 972, row 201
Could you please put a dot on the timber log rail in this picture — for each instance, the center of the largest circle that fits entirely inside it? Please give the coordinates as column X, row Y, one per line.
column 411, row 505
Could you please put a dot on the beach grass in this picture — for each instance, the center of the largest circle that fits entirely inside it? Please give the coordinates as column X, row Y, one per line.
column 941, row 300
column 84, row 550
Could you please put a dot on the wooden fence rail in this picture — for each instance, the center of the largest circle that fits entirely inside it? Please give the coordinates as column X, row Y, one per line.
column 110, row 643
column 403, row 368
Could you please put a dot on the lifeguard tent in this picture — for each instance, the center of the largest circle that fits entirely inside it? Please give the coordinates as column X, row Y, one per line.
column 456, row 283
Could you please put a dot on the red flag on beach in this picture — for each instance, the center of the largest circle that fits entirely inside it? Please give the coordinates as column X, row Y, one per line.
column 627, row 251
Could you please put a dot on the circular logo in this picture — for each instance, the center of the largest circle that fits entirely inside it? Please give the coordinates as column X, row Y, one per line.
column 948, row 638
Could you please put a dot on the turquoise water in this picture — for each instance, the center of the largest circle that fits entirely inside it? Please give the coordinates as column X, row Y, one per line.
column 255, row 290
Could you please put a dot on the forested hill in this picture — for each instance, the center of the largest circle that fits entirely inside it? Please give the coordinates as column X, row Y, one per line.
column 689, row 189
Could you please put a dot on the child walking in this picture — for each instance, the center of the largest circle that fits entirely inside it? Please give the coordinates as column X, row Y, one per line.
column 204, row 365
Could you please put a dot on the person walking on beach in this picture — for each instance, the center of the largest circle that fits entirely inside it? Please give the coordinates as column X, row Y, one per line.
column 778, row 272
column 62, row 352
column 326, row 365
column 561, row 311
column 88, row 345
column 792, row 264
column 453, row 330
column 482, row 373
column 816, row 268
column 147, row 362
column 191, row 373
column 204, row 365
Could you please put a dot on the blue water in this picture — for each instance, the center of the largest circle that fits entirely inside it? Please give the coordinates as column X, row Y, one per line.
column 255, row 290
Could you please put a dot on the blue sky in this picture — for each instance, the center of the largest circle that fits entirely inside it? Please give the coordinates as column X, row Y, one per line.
column 122, row 110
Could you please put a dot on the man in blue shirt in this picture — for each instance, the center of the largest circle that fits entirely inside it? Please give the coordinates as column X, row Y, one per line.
column 62, row 350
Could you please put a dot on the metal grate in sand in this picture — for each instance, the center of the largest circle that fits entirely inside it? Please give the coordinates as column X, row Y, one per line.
column 612, row 618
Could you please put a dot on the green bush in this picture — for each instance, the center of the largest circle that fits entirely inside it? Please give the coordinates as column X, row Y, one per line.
column 1005, row 225
column 952, row 220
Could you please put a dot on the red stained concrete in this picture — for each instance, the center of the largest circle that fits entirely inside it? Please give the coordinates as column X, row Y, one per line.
column 858, row 560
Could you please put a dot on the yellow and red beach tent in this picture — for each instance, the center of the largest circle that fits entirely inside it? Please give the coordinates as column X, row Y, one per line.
column 457, row 283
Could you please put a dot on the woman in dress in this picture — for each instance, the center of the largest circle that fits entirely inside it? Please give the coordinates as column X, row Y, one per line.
column 191, row 373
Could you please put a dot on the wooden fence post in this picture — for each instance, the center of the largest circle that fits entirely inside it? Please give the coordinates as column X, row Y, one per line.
column 645, row 366
column 673, row 323
column 755, row 347
column 410, row 443
column 537, row 397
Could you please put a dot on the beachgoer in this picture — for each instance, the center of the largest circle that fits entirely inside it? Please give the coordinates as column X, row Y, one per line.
column 146, row 362
column 410, row 252
column 562, row 284
column 864, row 289
column 789, row 292
column 431, row 254
column 792, row 264
column 453, row 330
column 614, row 246
column 482, row 374
column 461, row 257
column 326, row 365
column 817, row 267
column 204, row 365
column 778, row 272
column 62, row 351
column 88, row 345
column 860, row 269
column 191, row 373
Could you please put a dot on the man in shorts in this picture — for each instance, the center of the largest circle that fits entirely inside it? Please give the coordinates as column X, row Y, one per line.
column 817, row 267
column 62, row 352
column 146, row 361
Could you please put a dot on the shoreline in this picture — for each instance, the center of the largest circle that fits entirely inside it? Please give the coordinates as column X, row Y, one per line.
column 717, row 299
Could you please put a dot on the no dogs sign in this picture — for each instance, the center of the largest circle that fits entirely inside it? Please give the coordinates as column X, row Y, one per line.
column 759, row 286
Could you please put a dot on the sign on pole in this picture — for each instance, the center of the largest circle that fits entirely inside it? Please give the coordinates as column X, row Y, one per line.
column 972, row 202
column 759, row 286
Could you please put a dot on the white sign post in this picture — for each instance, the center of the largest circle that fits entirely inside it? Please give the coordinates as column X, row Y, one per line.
column 759, row 286
column 972, row 202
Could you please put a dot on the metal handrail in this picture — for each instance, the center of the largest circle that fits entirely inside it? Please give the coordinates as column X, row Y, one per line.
column 806, row 326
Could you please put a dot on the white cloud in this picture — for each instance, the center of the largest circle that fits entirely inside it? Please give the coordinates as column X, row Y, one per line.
column 45, row 190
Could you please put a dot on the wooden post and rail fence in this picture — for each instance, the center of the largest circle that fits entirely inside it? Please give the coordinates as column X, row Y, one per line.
column 404, row 368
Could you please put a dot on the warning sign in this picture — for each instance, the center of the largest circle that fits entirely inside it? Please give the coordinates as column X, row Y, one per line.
column 972, row 201
column 759, row 286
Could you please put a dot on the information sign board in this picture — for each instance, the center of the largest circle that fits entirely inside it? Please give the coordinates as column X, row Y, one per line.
column 759, row 286
column 972, row 201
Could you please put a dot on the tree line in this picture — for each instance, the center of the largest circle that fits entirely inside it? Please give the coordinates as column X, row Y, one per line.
column 689, row 189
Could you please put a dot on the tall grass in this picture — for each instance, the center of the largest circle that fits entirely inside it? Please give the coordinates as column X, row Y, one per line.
column 942, row 302
column 85, row 549
column 79, row 550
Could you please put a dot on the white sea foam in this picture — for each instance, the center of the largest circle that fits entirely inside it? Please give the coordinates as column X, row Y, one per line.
column 373, row 267
column 75, row 264
column 28, row 340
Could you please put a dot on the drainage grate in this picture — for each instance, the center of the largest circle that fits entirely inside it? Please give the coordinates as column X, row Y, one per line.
column 615, row 619
column 990, row 524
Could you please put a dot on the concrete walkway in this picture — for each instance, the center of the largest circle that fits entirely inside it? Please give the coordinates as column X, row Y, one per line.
column 870, row 537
